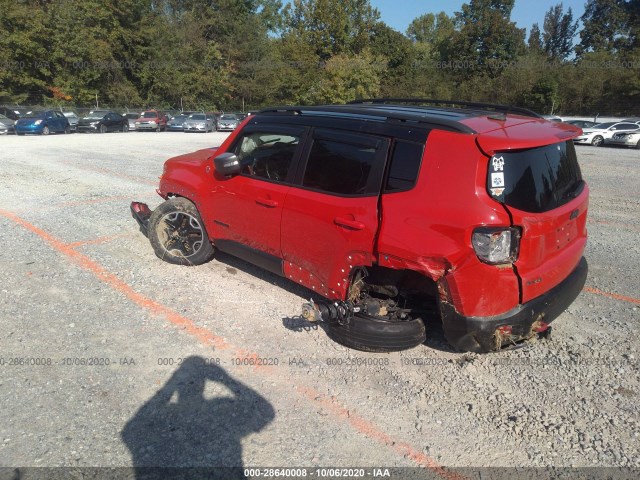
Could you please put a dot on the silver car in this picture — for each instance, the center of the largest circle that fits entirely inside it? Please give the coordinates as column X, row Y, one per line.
column 73, row 119
column 228, row 121
column 198, row 122
column 131, row 118
column 625, row 139
column 6, row 125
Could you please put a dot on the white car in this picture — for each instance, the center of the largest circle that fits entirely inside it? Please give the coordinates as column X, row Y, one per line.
column 602, row 133
column 626, row 139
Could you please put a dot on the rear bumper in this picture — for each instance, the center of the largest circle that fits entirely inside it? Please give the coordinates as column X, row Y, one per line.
column 141, row 213
column 478, row 334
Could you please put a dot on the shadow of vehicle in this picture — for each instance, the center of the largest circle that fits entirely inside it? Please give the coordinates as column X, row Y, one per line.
column 179, row 433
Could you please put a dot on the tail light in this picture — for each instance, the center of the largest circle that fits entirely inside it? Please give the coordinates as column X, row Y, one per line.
column 496, row 246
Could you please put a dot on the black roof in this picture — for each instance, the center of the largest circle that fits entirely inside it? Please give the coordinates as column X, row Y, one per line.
column 445, row 114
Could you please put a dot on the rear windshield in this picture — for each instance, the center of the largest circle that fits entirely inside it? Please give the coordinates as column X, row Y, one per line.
column 535, row 180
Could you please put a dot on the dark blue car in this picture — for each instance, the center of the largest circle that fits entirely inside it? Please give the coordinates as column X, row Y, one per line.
column 43, row 122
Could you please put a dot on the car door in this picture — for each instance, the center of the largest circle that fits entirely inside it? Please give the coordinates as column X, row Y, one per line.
column 246, row 209
column 330, row 222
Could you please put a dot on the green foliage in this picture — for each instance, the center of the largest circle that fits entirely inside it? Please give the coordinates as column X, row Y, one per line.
column 486, row 40
column 332, row 27
column 349, row 77
column 559, row 30
column 535, row 39
column 234, row 54
column 605, row 26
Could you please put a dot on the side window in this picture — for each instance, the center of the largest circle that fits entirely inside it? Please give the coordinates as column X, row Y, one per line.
column 405, row 166
column 267, row 155
column 345, row 164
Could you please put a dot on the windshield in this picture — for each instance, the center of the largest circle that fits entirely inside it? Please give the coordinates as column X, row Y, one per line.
column 36, row 114
column 535, row 180
column 149, row 115
column 97, row 115
column 131, row 115
column 228, row 117
column 197, row 117
column 603, row 126
column 179, row 118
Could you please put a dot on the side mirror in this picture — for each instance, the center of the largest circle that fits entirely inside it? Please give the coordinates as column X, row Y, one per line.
column 227, row 164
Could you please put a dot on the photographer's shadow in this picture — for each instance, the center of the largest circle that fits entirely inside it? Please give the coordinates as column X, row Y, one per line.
column 179, row 433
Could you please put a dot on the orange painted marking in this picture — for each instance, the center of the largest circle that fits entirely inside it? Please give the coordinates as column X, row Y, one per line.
column 83, row 261
column 207, row 337
column 615, row 296
column 369, row 430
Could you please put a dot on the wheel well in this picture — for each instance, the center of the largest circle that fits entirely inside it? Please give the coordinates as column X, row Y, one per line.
column 411, row 290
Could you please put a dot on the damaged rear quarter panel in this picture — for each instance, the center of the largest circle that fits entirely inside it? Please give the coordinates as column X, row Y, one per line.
column 428, row 237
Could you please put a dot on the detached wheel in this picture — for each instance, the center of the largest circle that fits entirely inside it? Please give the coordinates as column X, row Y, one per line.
column 177, row 233
column 374, row 334
column 597, row 141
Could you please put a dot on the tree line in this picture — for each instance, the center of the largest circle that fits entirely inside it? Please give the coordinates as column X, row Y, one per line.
column 246, row 54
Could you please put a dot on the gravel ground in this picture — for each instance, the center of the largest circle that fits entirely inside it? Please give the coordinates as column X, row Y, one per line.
column 110, row 357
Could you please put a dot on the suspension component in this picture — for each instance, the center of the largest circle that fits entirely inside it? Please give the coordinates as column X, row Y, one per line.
column 338, row 311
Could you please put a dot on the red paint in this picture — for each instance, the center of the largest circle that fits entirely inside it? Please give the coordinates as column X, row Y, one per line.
column 428, row 228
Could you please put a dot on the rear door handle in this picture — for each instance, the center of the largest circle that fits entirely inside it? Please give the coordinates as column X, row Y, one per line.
column 348, row 223
column 267, row 203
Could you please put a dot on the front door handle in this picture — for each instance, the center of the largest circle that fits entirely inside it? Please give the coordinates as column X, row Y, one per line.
column 348, row 223
column 267, row 203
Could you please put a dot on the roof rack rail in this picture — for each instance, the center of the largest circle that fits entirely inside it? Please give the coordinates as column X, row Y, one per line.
column 417, row 101
column 364, row 112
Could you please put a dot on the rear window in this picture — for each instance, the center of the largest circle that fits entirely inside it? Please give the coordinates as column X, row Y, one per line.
column 535, row 180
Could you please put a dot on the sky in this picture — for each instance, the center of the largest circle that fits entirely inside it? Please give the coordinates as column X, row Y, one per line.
column 398, row 14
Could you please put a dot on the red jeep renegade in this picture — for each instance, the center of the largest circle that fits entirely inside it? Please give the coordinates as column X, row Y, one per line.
column 392, row 212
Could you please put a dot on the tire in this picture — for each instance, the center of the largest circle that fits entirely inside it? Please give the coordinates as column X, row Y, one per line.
column 21, row 134
column 67, row 130
column 373, row 334
column 597, row 141
column 177, row 234
column 45, row 130
column 638, row 145
column 158, row 128
column 125, row 128
column 103, row 129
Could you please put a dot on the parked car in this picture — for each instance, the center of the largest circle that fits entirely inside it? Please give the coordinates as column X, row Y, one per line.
column 42, row 122
column 601, row 133
column 7, row 126
column 151, row 120
column 582, row 123
column 391, row 215
column 176, row 124
column 131, row 118
column 628, row 139
column 199, row 122
column 103, row 121
column 9, row 113
column 73, row 119
column 227, row 122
